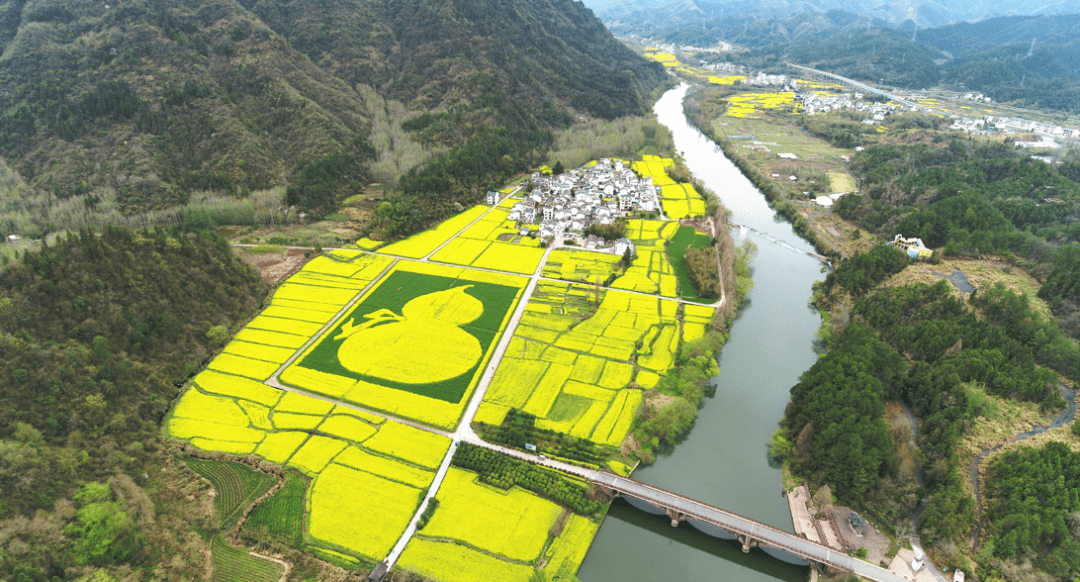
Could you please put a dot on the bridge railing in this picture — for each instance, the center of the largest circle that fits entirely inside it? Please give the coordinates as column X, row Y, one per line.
column 824, row 555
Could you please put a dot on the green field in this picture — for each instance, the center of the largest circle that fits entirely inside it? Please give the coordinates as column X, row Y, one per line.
column 685, row 238
column 841, row 182
column 423, row 357
column 236, row 565
column 282, row 514
column 237, row 486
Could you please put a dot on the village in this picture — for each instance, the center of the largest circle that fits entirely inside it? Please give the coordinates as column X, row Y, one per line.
column 566, row 205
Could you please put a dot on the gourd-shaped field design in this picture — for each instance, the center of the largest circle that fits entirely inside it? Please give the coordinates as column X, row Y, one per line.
column 414, row 345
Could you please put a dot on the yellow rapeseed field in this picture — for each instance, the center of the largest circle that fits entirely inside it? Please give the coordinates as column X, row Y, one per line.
column 747, row 104
column 315, row 454
column 241, row 366
column 409, row 444
column 279, row 446
column 567, row 551
column 347, row 427
column 360, row 512
column 421, row 244
column 303, row 404
column 455, row 563
column 387, row 468
column 514, row 524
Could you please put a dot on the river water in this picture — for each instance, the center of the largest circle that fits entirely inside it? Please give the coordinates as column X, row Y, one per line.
column 723, row 460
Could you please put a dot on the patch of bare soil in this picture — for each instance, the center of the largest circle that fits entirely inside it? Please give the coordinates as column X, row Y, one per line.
column 875, row 542
column 275, row 268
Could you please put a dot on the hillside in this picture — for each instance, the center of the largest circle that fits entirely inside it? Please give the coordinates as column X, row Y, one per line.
column 137, row 104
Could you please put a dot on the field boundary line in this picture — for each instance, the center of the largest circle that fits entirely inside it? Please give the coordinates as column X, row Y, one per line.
column 467, row 226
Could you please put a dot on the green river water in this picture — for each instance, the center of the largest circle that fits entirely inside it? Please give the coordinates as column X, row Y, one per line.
column 723, row 460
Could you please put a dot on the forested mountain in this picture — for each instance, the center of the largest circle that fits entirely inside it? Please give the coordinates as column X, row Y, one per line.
column 97, row 334
column 149, row 100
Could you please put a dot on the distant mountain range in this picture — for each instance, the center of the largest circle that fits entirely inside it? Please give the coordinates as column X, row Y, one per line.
column 1034, row 59
column 657, row 16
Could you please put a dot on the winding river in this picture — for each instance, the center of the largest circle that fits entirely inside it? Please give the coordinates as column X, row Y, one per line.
column 723, row 459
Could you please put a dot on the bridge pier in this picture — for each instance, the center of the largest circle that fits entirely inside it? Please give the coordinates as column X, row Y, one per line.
column 675, row 516
column 747, row 543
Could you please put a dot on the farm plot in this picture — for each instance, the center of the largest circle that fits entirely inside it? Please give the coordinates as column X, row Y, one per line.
column 651, row 271
column 237, row 485
column 580, row 265
column 481, row 533
column 421, row 244
column 682, row 201
column 511, row 524
column 575, row 369
column 493, row 242
column 299, row 308
column 653, row 167
column 696, row 319
column 395, row 462
column 686, row 238
column 567, row 552
column 750, row 104
column 451, row 562
column 360, row 512
column 236, row 565
column 415, row 345
column 282, row 514
column 677, row 200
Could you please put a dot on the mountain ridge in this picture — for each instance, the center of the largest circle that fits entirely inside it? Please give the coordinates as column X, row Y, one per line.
column 142, row 102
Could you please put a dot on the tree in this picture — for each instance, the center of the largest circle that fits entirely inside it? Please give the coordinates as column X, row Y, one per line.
column 558, row 169
column 823, row 501
column 101, row 350
column 104, row 534
column 218, row 336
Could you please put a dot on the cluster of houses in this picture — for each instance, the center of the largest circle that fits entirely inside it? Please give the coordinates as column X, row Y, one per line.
column 569, row 203
column 814, row 103
column 1007, row 125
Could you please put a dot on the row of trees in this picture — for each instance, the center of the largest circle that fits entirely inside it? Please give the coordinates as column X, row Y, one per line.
column 502, row 471
column 519, row 428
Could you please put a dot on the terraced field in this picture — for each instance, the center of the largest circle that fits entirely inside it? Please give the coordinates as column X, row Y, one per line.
column 282, row 514
column 233, row 564
column 237, row 486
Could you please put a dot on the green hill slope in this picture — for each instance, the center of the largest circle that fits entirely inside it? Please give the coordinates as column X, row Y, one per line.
column 145, row 101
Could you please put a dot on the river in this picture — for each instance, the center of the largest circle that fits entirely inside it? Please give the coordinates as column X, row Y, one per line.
column 723, row 460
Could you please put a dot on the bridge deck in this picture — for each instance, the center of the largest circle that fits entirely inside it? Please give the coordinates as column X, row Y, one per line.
column 737, row 524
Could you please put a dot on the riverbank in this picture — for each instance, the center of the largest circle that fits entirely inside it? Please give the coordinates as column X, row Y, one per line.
column 777, row 199
column 722, row 459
